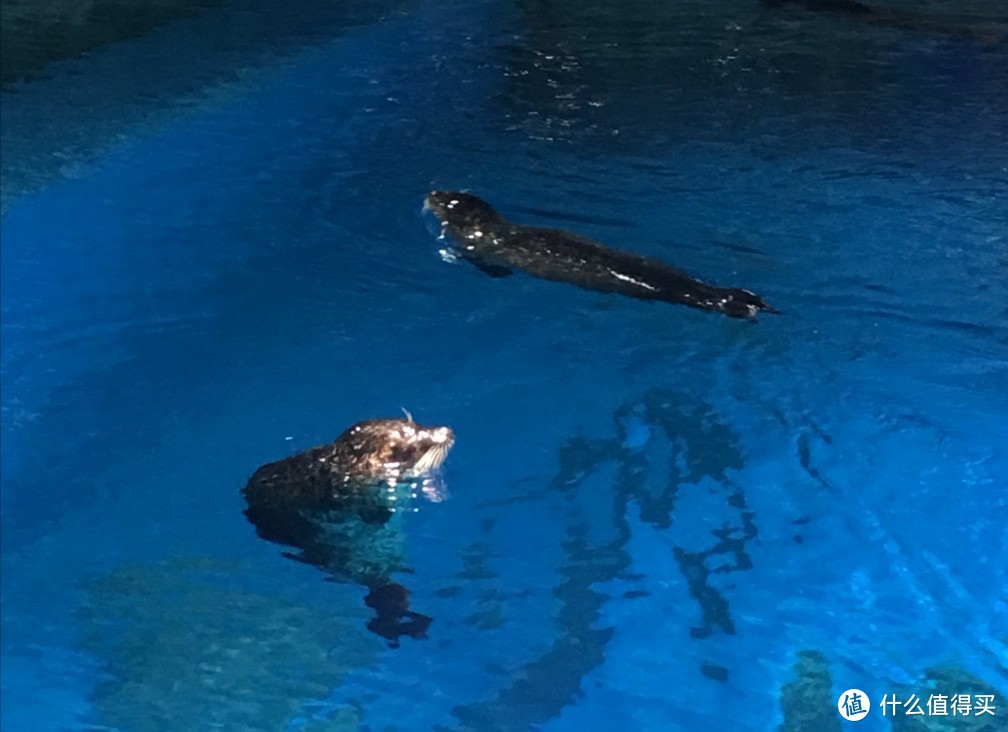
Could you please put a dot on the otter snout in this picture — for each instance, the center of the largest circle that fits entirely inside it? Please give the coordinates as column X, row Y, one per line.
column 434, row 444
column 443, row 436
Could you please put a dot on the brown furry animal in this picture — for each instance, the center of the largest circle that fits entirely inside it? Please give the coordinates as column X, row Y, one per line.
column 334, row 504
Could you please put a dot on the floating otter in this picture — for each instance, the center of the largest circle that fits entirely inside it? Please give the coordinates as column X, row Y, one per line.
column 337, row 505
column 897, row 18
column 495, row 245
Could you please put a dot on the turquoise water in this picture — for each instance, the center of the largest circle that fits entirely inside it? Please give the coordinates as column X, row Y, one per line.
column 653, row 511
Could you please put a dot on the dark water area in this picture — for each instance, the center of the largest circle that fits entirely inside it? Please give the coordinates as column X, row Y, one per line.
column 35, row 34
column 213, row 255
column 70, row 97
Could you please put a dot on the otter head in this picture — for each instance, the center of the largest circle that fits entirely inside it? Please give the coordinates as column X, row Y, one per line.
column 462, row 214
column 391, row 450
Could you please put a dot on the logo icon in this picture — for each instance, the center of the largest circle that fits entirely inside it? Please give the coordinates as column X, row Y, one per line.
column 853, row 705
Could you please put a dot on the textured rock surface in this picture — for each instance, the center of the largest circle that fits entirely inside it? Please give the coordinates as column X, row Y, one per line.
column 187, row 647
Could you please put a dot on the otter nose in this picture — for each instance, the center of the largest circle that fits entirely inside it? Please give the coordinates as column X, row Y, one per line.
column 443, row 435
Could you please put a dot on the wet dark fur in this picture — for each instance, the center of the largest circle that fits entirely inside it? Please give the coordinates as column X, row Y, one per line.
column 495, row 245
column 321, row 501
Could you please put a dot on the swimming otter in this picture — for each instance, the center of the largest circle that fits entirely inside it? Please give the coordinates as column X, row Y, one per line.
column 495, row 245
column 336, row 505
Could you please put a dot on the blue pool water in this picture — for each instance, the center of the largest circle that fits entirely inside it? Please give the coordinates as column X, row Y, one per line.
column 659, row 519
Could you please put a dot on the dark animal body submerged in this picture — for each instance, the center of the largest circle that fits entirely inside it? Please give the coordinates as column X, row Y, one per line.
column 496, row 245
column 336, row 505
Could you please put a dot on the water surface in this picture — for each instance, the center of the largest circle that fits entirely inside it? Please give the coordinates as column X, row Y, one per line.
column 659, row 518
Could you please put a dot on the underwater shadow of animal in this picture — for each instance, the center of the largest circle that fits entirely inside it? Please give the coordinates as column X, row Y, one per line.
column 684, row 443
column 336, row 505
